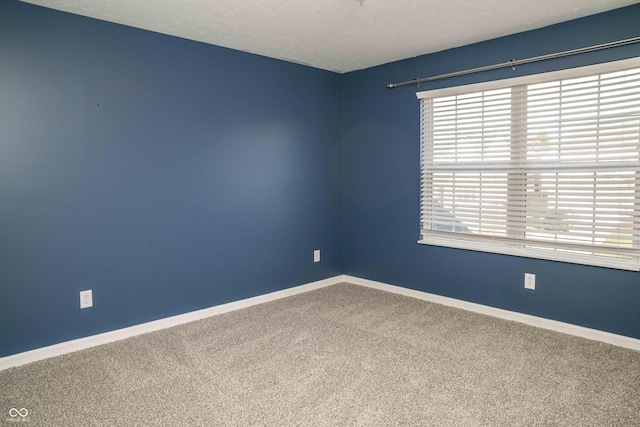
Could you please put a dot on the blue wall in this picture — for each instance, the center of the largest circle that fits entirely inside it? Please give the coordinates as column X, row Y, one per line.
column 169, row 176
column 164, row 174
column 381, row 185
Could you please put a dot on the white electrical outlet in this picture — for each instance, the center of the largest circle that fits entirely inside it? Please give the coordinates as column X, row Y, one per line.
column 316, row 255
column 529, row 281
column 86, row 299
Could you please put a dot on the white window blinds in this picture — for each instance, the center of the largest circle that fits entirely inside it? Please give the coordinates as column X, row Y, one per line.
column 545, row 166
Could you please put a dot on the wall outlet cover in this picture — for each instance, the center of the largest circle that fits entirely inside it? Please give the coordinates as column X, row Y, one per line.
column 86, row 299
column 529, row 281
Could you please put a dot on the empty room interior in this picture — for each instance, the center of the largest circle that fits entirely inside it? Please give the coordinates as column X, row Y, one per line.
column 322, row 213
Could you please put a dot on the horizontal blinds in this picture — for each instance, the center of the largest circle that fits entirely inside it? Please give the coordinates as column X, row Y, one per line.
column 548, row 166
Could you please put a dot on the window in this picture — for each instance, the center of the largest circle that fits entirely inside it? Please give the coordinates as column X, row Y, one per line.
column 544, row 166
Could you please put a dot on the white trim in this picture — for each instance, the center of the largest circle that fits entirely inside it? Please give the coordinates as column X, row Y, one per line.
column 486, row 246
column 539, row 322
column 156, row 325
column 532, row 78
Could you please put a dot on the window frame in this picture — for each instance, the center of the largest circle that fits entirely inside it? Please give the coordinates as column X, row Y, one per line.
column 507, row 245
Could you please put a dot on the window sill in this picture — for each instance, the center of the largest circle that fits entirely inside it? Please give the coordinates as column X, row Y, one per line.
column 549, row 255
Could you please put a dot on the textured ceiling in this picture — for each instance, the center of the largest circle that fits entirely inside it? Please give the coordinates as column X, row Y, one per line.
column 336, row 35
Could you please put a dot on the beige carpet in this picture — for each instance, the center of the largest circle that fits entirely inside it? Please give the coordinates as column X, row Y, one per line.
column 339, row 356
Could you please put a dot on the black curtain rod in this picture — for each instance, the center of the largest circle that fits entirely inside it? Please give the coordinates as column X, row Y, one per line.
column 513, row 62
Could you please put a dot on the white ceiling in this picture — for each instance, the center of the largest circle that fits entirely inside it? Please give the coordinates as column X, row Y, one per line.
column 336, row 35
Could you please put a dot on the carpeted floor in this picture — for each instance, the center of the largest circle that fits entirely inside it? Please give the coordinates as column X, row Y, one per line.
column 344, row 355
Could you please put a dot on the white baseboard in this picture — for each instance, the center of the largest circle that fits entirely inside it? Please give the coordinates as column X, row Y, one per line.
column 156, row 325
column 540, row 322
